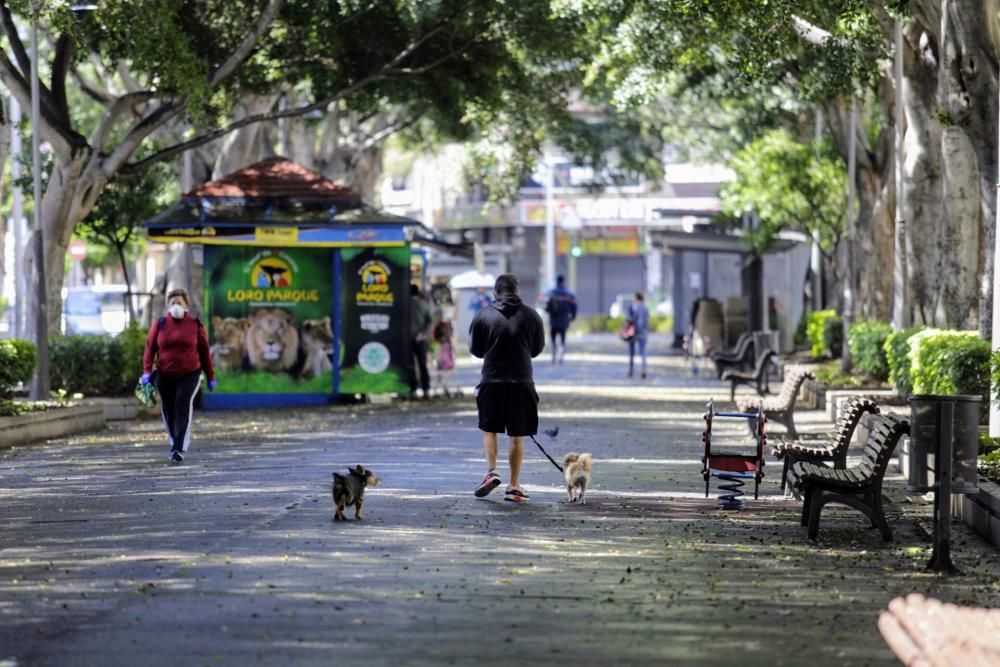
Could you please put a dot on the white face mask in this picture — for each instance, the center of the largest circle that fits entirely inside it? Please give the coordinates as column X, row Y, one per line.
column 177, row 311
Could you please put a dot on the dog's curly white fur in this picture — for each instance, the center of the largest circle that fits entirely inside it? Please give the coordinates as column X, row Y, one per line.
column 577, row 471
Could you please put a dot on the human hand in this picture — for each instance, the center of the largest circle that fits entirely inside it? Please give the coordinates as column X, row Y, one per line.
column 211, row 385
column 144, row 379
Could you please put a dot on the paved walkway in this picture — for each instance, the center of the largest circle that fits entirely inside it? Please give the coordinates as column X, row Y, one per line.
column 110, row 556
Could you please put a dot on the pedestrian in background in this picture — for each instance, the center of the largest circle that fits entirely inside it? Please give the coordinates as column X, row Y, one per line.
column 176, row 355
column 561, row 307
column 638, row 316
column 420, row 330
column 479, row 300
column 506, row 336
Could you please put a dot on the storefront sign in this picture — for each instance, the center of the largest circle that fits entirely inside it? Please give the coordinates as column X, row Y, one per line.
column 269, row 318
column 374, row 304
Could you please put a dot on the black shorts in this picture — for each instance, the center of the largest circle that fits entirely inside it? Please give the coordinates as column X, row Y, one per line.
column 507, row 407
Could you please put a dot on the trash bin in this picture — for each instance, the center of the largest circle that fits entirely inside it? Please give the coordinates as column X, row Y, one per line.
column 925, row 441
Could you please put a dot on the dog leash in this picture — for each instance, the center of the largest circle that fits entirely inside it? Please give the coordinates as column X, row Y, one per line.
column 558, row 467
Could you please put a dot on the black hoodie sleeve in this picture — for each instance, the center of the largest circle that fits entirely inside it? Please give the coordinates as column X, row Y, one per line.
column 538, row 336
column 477, row 337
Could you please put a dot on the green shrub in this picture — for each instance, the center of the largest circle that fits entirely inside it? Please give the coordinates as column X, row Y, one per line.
column 833, row 377
column 897, row 350
column 801, row 337
column 133, row 341
column 833, row 336
column 866, row 341
column 90, row 365
column 17, row 364
column 989, row 466
column 951, row 362
column 816, row 332
column 661, row 324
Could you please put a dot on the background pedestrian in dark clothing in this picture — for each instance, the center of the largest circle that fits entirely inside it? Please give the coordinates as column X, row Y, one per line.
column 177, row 346
column 561, row 307
column 638, row 315
column 420, row 329
column 506, row 336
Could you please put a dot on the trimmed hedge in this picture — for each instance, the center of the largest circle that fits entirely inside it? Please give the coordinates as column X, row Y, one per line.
column 825, row 332
column 897, row 350
column 18, row 359
column 866, row 341
column 97, row 365
column 951, row 362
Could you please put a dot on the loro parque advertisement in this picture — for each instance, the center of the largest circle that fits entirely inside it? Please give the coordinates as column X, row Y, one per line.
column 374, row 303
column 269, row 319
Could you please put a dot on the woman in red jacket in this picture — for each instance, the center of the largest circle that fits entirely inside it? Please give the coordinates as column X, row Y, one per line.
column 178, row 344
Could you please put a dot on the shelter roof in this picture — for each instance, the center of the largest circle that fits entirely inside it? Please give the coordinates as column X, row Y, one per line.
column 273, row 178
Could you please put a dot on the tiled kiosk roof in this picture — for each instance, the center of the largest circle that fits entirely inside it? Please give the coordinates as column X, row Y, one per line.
column 275, row 177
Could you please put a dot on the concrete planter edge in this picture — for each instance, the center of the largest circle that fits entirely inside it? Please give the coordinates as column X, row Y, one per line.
column 54, row 423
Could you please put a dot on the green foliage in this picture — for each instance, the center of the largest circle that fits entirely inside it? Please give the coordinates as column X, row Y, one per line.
column 816, row 332
column 866, row 341
column 17, row 364
column 897, row 357
column 831, row 375
column 989, row 466
column 97, row 365
column 789, row 185
column 801, row 335
column 833, row 335
column 950, row 362
column 133, row 345
column 128, row 200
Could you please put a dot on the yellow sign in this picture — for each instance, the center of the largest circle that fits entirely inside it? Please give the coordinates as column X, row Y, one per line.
column 277, row 235
column 375, row 284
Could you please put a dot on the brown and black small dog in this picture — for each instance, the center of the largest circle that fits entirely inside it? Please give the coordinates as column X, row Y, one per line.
column 350, row 490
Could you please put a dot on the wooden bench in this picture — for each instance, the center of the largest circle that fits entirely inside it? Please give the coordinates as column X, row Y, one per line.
column 924, row 632
column 834, row 451
column 740, row 356
column 859, row 486
column 780, row 408
column 758, row 377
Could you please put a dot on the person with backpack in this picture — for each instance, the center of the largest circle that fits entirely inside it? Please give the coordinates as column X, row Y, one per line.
column 561, row 307
column 176, row 354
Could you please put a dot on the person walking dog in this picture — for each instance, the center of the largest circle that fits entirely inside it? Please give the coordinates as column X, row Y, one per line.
column 176, row 354
column 506, row 336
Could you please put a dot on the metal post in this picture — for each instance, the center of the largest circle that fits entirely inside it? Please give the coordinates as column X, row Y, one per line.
column 816, row 255
column 941, row 557
column 17, row 213
column 550, row 230
column 40, row 383
column 852, row 167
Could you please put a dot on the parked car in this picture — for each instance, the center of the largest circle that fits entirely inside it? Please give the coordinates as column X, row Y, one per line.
column 95, row 309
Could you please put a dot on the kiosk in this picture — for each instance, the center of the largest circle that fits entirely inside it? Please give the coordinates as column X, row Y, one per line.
column 306, row 288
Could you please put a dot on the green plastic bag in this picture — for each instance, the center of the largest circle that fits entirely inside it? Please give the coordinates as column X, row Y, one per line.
column 146, row 393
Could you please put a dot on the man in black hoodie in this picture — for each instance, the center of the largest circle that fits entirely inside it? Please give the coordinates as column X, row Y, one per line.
column 506, row 336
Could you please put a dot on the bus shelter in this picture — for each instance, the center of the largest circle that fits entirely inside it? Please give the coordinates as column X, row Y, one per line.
column 306, row 288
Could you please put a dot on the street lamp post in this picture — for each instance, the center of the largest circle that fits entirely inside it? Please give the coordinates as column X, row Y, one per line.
column 550, row 230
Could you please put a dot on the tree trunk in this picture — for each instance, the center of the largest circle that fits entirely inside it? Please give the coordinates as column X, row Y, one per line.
column 922, row 176
column 70, row 194
column 5, row 129
column 960, row 241
column 968, row 89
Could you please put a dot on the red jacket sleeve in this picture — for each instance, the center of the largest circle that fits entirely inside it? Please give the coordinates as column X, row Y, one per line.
column 150, row 353
column 204, row 354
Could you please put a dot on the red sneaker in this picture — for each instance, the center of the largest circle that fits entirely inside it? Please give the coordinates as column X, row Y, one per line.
column 490, row 482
